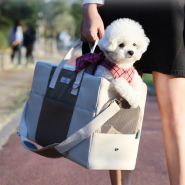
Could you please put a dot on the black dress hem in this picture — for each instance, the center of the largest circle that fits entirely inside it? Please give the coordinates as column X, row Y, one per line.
column 166, row 72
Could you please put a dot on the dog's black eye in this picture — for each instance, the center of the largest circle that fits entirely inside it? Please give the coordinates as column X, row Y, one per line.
column 121, row 45
column 134, row 44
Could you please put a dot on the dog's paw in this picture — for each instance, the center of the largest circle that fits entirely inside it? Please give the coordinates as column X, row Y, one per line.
column 123, row 88
column 120, row 84
column 131, row 101
column 134, row 101
column 135, row 105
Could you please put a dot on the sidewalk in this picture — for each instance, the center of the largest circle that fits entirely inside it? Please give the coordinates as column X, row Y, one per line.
column 15, row 86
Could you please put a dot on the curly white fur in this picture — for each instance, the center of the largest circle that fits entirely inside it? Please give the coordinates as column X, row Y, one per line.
column 122, row 37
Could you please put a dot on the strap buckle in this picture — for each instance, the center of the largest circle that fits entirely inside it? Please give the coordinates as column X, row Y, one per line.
column 76, row 85
column 118, row 101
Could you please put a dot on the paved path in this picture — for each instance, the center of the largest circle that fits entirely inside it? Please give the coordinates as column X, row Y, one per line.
column 21, row 167
column 15, row 85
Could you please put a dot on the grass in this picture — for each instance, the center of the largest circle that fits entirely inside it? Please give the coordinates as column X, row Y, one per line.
column 15, row 102
column 19, row 102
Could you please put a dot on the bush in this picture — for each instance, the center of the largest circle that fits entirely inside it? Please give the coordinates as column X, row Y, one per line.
column 148, row 79
column 3, row 40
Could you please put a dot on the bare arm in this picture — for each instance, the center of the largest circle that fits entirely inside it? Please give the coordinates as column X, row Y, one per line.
column 92, row 24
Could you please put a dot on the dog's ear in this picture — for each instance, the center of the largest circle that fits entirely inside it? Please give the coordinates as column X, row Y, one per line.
column 144, row 44
column 107, row 45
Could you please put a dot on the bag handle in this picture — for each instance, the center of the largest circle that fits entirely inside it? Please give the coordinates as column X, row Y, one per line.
column 66, row 58
column 57, row 150
column 79, row 76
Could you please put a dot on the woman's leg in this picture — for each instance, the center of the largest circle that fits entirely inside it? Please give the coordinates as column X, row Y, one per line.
column 170, row 91
column 19, row 51
column 115, row 176
column 13, row 53
column 120, row 177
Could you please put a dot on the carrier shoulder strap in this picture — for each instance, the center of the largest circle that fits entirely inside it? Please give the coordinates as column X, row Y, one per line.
column 57, row 150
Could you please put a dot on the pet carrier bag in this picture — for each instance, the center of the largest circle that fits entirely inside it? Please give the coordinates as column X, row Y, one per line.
column 79, row 117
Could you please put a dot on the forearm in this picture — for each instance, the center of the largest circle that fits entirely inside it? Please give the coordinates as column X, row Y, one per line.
column 98, row 2
column 92, row 24
column 88, row 9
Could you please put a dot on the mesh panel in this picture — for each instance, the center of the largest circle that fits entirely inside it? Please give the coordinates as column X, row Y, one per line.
column 123, row 122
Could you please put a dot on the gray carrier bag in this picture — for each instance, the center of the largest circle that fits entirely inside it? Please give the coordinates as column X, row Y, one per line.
column 77, row 116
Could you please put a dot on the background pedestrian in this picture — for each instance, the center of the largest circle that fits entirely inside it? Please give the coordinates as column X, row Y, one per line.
column 16, row 39
column 29, row 39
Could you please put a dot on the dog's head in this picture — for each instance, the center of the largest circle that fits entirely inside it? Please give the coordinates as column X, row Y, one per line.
column 124, row 41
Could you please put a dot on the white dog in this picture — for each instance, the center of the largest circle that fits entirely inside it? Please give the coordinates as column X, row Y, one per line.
column 123, row 44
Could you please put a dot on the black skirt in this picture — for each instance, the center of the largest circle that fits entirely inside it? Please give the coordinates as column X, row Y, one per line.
column 163, row 22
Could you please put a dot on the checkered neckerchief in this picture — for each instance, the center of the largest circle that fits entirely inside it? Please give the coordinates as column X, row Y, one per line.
column 91, row 58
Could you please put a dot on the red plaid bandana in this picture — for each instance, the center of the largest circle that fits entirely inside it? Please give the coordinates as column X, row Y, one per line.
column 91, row 58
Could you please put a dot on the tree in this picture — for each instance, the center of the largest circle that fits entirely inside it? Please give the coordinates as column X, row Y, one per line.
column 58, row 15
column 53, row 12
column 11, row 10
column 76, row 12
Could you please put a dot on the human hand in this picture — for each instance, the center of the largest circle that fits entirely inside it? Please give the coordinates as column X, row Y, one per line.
column 92, row 25
column 15, row 43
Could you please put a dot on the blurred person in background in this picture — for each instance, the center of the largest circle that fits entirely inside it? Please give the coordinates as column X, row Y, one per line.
column 16, row 39
column 29, row 39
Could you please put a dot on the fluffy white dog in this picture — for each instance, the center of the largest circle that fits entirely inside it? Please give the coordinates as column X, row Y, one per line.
column 123, row 44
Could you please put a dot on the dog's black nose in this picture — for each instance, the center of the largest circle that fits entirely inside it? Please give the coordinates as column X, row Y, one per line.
column 130, row 53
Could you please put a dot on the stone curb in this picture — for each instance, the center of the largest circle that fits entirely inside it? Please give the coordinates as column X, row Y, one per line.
column 10, row 128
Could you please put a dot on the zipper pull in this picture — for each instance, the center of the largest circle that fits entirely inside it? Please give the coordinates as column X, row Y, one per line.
column 138, row 134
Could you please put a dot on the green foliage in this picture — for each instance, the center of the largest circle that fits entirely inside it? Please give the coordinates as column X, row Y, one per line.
column 148, row 79
column 56, row 7
column 64, row 22
column 54, row 11
column 11, row 10
column 76, row 12
column 3, row 40
column 58, row 16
